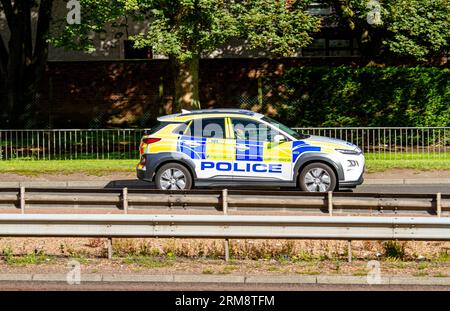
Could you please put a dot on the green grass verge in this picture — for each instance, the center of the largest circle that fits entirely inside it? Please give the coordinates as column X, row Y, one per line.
column 90, row 167
column 373, row 166
column 148, row 261
column 379, row 162
column 105, row 167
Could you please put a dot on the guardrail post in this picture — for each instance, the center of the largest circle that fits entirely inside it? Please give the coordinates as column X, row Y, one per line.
column 225, row 201
column 330, row 203
column 125, row 200
column 109, row 248
column 227, row 250
column 225, row 212
column 22, row 199
column 438, row 204
column 349, row 250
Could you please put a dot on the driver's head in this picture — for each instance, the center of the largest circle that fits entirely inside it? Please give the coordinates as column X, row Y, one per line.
column 239, row 132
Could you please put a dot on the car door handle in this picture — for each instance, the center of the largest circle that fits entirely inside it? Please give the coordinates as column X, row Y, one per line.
column 192, row 143
column 242, row 147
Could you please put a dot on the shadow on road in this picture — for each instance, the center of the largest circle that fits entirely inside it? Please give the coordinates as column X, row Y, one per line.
column 139, row 184
column 130, row 183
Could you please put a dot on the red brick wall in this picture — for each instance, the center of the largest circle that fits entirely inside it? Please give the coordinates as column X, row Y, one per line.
column 128, row 94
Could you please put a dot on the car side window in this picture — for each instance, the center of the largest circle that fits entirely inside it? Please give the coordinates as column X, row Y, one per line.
column 207, row 127
column 245, row 129
column 181, row 129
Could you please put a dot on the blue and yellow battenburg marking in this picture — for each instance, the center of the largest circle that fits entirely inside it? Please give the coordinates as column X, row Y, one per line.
column 194, row 147
column 299, row 147
column 235, row 155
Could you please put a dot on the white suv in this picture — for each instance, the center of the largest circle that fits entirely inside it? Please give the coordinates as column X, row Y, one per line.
column 232, row 147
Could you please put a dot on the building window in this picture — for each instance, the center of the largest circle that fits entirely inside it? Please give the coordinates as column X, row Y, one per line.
column 130, row 52
column 335, row 47
column 320, row 9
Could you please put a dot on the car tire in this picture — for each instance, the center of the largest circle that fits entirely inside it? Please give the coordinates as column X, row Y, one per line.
column 317, row 177
column 173, row 176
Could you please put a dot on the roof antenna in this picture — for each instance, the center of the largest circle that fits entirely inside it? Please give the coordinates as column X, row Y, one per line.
column 183, row 111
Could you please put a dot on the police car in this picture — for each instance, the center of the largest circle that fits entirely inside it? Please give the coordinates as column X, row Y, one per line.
column 233, row 147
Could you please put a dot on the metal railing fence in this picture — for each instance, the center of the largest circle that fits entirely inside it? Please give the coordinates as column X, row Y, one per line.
column 129, row 200
column 70, row 144
column 225, row 226
column 392, row 143
column 380, row 143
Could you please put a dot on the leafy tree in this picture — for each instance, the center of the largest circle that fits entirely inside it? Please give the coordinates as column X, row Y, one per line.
column 417, row 30
column 22, row 59
column 32, row 27
column 182, row 30
column 186, row 30
column 97, row 17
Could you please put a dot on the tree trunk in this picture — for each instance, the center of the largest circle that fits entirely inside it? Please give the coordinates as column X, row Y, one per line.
column 186, row 84
column 22, row 67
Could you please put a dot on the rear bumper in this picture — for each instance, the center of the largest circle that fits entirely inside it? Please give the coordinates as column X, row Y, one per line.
column 145, row 173
column 155, row 160
column 142, row 175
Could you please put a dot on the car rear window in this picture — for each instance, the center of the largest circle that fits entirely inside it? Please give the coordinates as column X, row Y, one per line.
column 157, row 128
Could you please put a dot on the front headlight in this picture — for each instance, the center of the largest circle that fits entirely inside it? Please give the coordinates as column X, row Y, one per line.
column 348, row 151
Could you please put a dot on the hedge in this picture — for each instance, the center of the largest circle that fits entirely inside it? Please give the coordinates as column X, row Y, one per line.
column 367, row 96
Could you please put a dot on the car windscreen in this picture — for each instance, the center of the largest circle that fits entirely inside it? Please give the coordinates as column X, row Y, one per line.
column 285, row 128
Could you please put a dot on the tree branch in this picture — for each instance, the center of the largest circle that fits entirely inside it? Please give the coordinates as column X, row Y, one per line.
column 41, row 46
column 43, row 27
column 3, row 56
column 28, row 44
column 9, row 12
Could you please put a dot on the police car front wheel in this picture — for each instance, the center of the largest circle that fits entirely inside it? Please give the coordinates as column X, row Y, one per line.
column 317, row 177
column 173, row 176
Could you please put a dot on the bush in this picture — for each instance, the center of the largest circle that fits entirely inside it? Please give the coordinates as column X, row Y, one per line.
column 368, row 96
column 394, row 250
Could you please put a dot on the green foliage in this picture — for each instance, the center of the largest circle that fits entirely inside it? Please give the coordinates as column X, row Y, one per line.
column 414, row 28
column 418, row 28
column 394, row 250
column 34, row 258
column 443, row 256
column 346, row 96
column 208, row 270
column 182, row 28
column 148, row 261
column 185, row 28
column 272, row 25
column 97, row 16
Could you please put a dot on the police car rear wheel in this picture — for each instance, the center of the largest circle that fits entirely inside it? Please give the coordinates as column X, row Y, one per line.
column 317, row 177
column 173, row 176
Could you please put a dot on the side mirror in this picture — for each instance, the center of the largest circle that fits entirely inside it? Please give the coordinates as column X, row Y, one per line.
column 279, row 138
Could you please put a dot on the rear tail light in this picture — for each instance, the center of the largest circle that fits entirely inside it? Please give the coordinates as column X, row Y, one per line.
column 143, row 161
column 150, row 140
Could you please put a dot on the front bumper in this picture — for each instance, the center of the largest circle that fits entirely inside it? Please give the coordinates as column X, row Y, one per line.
column 351, row 184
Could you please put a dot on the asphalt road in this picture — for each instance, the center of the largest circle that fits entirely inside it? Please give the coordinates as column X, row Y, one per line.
column 60, row 286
